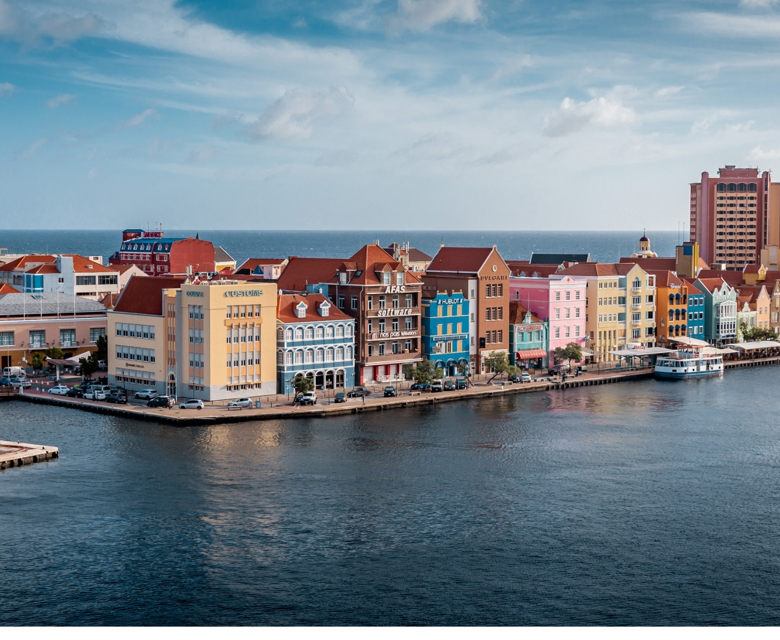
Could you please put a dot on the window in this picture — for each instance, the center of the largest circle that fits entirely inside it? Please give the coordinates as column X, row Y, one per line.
column 487, row 337
column 408, row 323
column 370, row 303
column 67, row 337
column 567, row 331
column 576, row 295
column 37, row 338
column 396, row 302
column 576, row 312
column 343, row 278
column 577, row 331
column 339, row 331
column 348, row 331
column 408, row 346
column 396, row 347
column 500, row 314
column 341, row 302
column 568, row 312
column 399, row 278
column 382, row 302
column 568, row 295
column 557, row 295
column 320, row 333
column 320, row 355
column 557, row 332
column 501, row 291
column 500, row 335
column 354, row 302
column 487, row 313
column 386, row 278
column 96, row 333
column 6, row 338
column 309, row 357
column 83, row 281
column 309, row 333
column 381, row 348
column 409, row 300
column 107, row 280
column 395, row 324
column 558, row 314
column 495, row 291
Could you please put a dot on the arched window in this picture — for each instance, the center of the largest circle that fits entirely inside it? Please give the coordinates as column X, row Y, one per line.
column 289, row 334
column 732, row 187
column 339, row 354
column 721, row 187
column 288, row 357
column 671, row 315
column 682, row 314
column 742, row 187
column 340, row 331
column 637, row 283
column 299, row 357
column 329, row 331
column 677, row 298
column 309, row 333
column 348, row 354
column 309, row 356
column 320, row 332
column 676, row 314
column 348, row 331
column 682, row 329
column 299, row 334
column 752, row 188
column 671, row 298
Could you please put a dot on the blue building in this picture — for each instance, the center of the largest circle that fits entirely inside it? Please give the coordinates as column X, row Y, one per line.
column 316, row 340
column 528, row 344
column 696, row 312
column 445, row 331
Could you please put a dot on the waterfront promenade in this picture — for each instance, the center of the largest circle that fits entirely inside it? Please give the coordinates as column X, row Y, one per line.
column 279, row 407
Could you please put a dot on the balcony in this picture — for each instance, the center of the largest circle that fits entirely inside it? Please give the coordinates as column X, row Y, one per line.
column 391, row 358
column 391, row 312
column 400, row 334
column 635, row 321
column 636, row 305
column 636, row 288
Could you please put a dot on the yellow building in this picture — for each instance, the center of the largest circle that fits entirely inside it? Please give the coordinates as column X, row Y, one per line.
column 620, row 302
column 213, row 340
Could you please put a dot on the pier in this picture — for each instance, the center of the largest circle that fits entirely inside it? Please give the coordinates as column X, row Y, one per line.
column 17, row 454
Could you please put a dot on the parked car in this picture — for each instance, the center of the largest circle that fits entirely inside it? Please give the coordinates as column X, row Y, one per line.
column 526, row 377
column 191, row 404
column 241, row 403
column 95, row 394
column 59, row 390
column 5, row 382
column 310, row 397
column 358, row 392
column 20, row 383
column 75, row 392
column 449, row 385
column 389, row 392
column 161, row 401
column 559, row 369
column 461, row 384
column 117, row 397
column 514, row 378
column 437, row 386
column 146, row 394
column 340, row 397
column 421, row 386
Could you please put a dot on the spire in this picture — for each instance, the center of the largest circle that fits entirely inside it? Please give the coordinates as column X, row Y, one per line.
column 197, row 235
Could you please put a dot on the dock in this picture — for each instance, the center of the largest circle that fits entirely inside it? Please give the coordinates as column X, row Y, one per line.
column 17, row 454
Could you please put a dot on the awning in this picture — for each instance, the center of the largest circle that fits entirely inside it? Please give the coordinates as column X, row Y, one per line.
column 691, row 342
column 749, row 346
column 531, row 354
column 586, row 352
column 639, row 353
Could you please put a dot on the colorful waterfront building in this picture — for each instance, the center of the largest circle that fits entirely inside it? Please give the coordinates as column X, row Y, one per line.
column 316, row 340
column 527, row 338
column 445, row 331
column 159, row 256
column 620, row 307
column 671, row 305
column 560, row 302
column 696, row 311
column 720, row 302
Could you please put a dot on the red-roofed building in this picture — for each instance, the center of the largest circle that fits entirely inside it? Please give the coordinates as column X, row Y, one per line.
column 7, row 288
column 301, row 274
column 67, row 274
column 315, row 340
column 160, row 256
column 483, row 276
column 267, row 268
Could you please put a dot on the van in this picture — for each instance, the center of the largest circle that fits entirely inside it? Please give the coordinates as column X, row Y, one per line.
column 13, row 371
column 437, row 386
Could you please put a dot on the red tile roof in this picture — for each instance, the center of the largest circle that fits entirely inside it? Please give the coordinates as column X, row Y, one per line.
column 712, row 283
column 517, row 313
column 532, row 270
column 459, row 259
column 20, row 263
column 598, row 269
column 301, row 272
column 7, row 288
column 286, row 304
column 732, row 277
column 669, row 264
column 43, row 268
column 251, row 264
column 82, row 265
column 751, row 268
column 665, row 278
column 372, row 258
column 109, row 300
column 144, row 295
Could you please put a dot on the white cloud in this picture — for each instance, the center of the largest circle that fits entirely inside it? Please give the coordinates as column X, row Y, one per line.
column 576, row 116
column 422, row 15
column 757, row 154
column 6, row 89
column 293, row 115
column 23, row 26
column 60, row 100
column 513, row 67
column 135, row 120
column 730, row 25
column 32, row 150
column 201, row 153
column 668, row 91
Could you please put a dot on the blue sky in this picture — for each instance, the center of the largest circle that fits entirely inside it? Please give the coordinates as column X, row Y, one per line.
column 374, row 114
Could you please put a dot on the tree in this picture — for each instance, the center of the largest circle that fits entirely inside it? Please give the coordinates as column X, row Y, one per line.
column 751, row 334
column 88, row 365
column 426, row 372
column 37, row 361
column 102, row 348
column 572, row 351
column 303, row 384
column 55, row 353
column 498, row 363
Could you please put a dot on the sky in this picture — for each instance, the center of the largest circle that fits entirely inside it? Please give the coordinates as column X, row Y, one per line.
column 379, row 114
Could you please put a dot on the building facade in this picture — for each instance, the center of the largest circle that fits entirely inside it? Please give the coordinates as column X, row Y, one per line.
column 720, row 301
column 483, row 276
column 33, row 322
column 158, row 256
column 671, row 304
column 69, row 274
column 316, row 340
column 735, row 216
column 445, row 331
column 696, row 311
column 560, row 302
column 527, row 338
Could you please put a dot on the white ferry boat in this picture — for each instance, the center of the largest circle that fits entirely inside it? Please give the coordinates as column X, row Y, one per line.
column 691, row 361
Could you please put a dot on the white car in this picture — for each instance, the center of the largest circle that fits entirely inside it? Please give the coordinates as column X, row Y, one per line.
column 525, row 377
column 21, row 383
column 97, row 394
column 191, row 404
column 146, row 394
column 59, row 390
column 241, row 403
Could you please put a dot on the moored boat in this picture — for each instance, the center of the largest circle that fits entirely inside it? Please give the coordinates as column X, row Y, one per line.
column 689, row 363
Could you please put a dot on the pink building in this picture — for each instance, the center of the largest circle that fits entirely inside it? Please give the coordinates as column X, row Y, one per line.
column 559, row 301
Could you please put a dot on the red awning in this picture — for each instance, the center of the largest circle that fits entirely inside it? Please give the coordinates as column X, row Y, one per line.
column 531, row 354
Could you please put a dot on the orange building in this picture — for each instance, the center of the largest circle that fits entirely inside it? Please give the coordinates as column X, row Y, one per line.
column 671, row 305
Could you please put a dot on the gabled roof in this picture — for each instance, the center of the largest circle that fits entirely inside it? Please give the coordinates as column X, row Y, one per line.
column 287, row 303
column 220, row 255
column 43, row 268
column 21, row 263
column 250, row 265
column 669, row 264
column 594, row 269
column 732, row 277
column 372, row 258
column 558, row 258
column 301, row 272
column 712, row 283
column 517, row 313
column 144, row 295
column 751, row 291
column 7, row 288
column 752, row 268
column 523, row 268
column 124, row 268
column 109, row 300
column 82, row 265
column 666, row 278
column 460, row 259
column 415, row 255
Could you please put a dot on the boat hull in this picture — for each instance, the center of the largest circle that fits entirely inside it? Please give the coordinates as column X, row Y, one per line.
column 682, row 375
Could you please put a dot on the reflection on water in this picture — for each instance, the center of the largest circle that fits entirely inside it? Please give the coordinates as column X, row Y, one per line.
column 636, row 503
